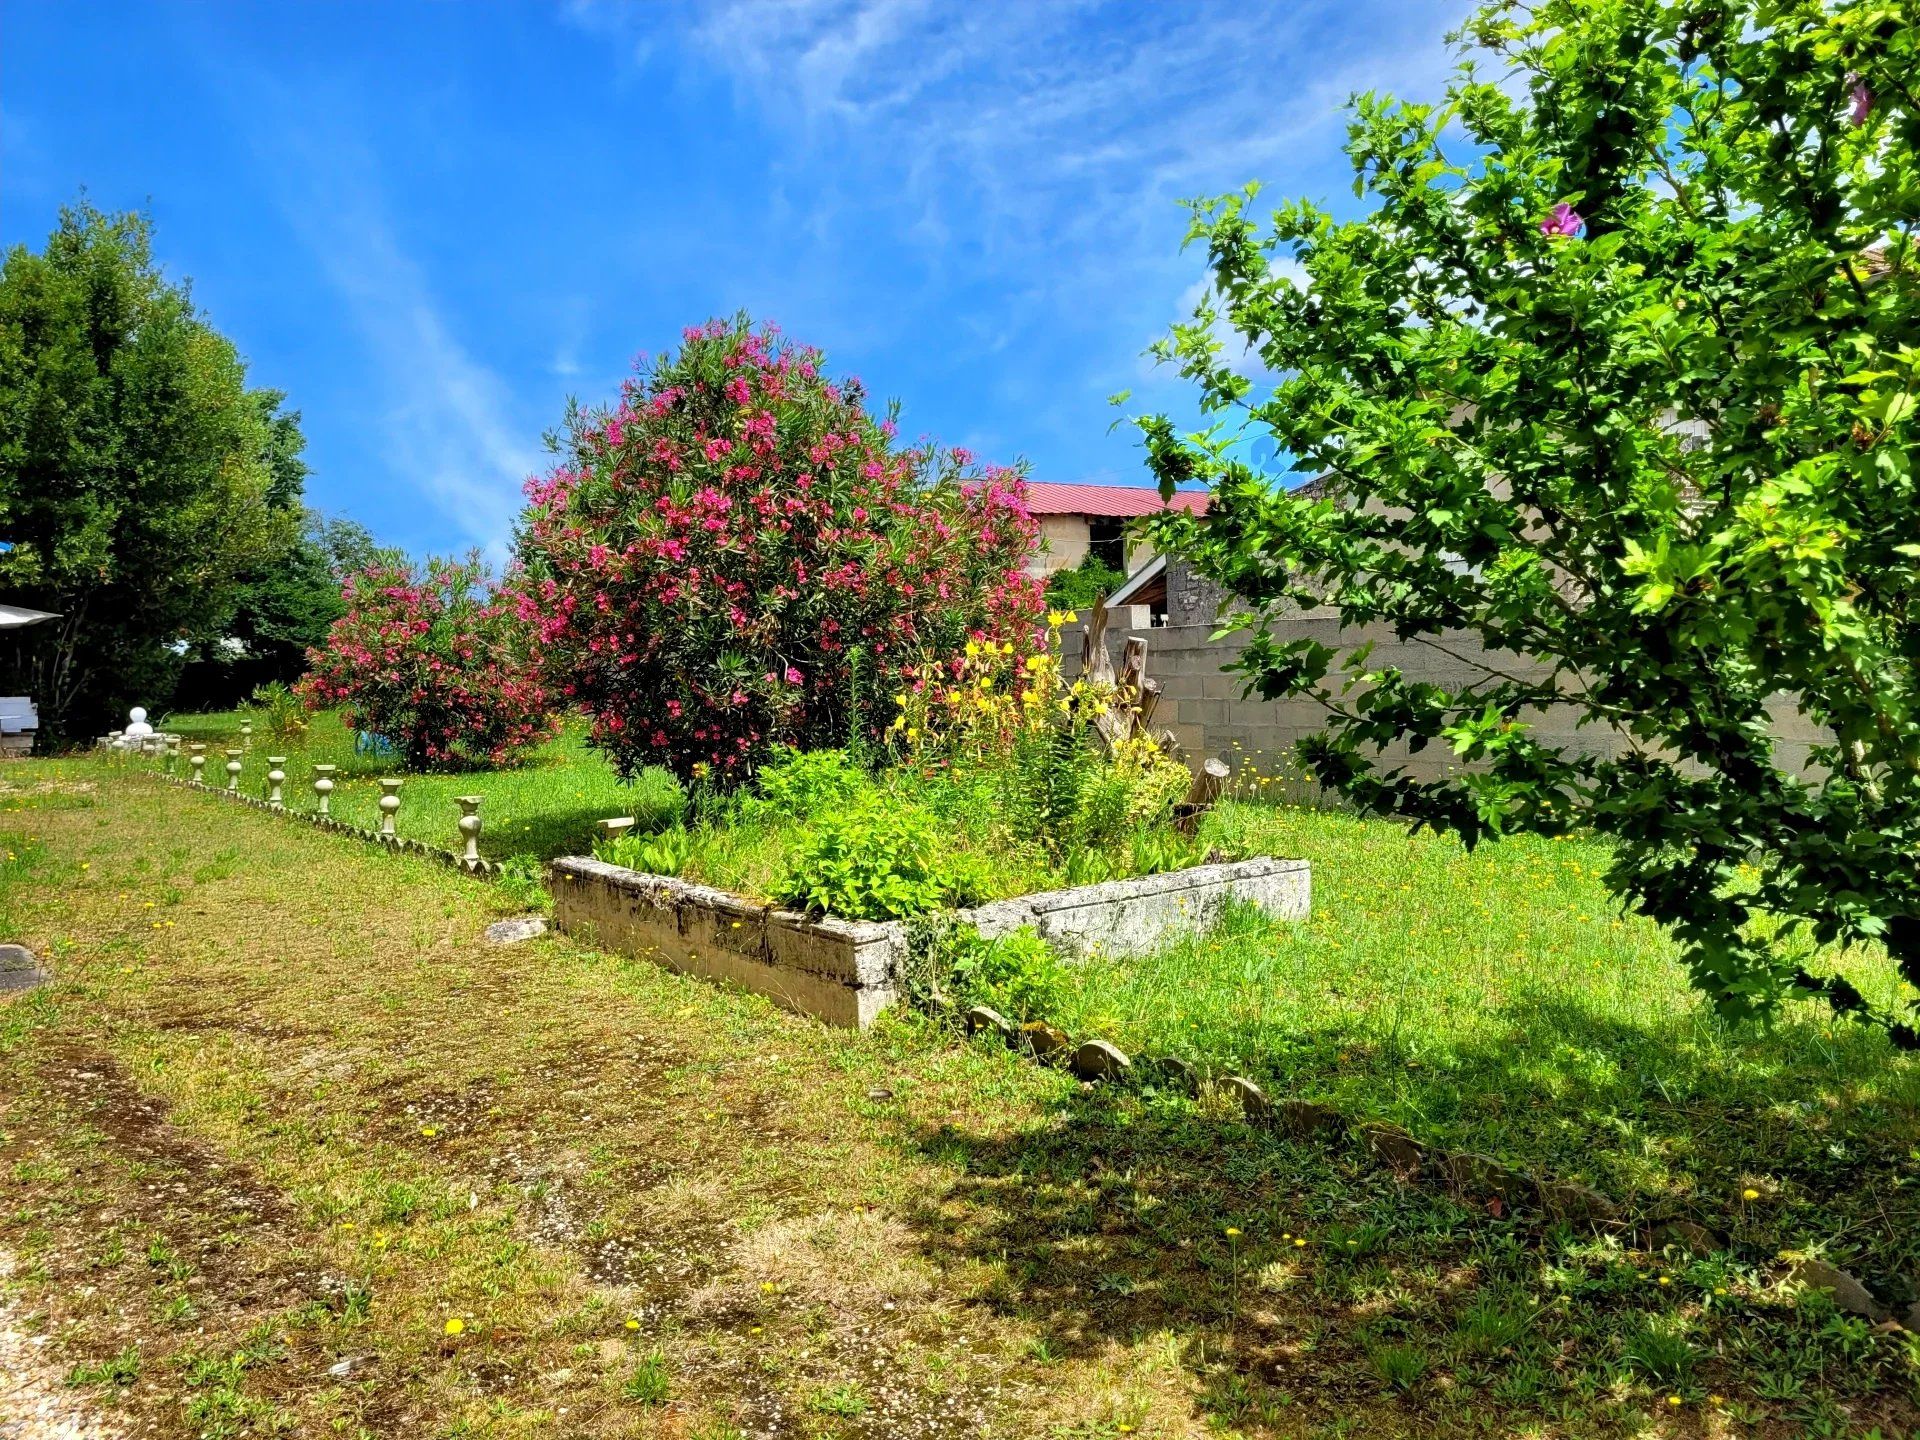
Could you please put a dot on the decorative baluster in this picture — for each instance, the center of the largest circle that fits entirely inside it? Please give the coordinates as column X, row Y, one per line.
column 469, row 827
column 276, row 777
column 389, row 805
column 172, row 757
column 233, row 772
column 197, row 763
column 246, row 734
column 323, row 786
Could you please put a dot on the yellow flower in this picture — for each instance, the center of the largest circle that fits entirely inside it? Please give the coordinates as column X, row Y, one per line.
column 1232, row 1233
column 429, row 1131
column 1055, row 619
column 455, row 1325
column 973, row 647
column 1673, row 1399
column 901, row 699
column 1073, row 617
column 1749, row 1194
column 633, row 1324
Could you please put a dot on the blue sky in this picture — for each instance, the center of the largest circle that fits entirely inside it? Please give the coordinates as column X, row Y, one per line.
column 431, row 223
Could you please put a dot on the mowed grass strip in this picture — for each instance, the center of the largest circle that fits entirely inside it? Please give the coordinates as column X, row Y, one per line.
column 289, row 1148
column 1499, row 1001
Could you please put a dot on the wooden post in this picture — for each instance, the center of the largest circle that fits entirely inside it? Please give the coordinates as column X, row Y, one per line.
column 1208, row 782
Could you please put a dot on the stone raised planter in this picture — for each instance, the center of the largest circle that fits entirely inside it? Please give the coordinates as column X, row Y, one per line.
column 845, row 971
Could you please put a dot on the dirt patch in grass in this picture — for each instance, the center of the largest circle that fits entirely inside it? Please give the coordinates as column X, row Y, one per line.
column 406, row 1183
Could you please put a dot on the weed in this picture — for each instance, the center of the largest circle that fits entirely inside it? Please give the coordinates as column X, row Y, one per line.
column 120, row 1369
column 846, row 1400
column 649, row 1383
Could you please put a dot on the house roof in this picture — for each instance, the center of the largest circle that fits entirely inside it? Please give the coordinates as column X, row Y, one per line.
column 1116, row 501
column 1140, row 586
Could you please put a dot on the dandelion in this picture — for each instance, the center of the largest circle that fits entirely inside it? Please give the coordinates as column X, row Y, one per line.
column 1232, row 1233
column 1673, row 1400
column 632, row 1324
column 429, row 1131
column 455, row 1326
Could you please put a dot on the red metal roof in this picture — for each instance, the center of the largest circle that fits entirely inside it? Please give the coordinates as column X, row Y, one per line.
column 1118, row 501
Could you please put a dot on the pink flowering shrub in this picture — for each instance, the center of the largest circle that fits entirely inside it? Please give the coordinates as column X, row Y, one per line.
column 739, row 556
column 436, row 663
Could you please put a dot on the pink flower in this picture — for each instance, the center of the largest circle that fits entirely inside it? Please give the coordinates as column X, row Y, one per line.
column 1564, row 220
column 1861, row 94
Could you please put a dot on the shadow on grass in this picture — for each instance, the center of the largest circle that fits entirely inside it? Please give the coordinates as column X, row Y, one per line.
column 1346, row 1289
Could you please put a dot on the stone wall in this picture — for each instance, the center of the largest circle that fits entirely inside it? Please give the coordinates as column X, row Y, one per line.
column 846, row 972
column 1206, row 710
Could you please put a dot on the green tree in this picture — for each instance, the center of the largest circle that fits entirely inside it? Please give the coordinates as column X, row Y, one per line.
column 1617, row 374
column 281, row 609
column 138, row 474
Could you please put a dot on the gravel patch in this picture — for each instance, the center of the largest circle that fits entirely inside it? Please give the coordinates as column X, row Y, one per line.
column 35, row 1403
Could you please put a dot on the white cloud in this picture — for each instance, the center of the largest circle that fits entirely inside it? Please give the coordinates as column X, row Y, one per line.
column 447, row 419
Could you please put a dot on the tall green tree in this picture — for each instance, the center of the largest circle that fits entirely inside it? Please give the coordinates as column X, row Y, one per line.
column 1617, row 374
column 138, row 472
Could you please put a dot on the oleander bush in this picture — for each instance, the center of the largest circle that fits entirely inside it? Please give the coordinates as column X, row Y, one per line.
column 737, row 552
column 435, row 660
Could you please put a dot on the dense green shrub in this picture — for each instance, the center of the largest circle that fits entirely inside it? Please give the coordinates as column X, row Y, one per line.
column 1082, row 586
column 799, row 783
column 1018, row 974
column 878, row 861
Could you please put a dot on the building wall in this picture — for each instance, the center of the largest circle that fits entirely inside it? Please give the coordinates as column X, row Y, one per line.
column 1063, row 545
column 1203, row 705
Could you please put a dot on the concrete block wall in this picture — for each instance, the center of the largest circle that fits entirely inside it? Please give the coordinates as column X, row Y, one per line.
column 1203, row 705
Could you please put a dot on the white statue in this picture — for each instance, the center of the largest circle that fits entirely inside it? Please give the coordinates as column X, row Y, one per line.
column 137, row 729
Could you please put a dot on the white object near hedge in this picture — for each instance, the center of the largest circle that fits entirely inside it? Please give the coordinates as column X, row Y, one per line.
column 389, row 807
column 323, row 786
column 469, row 827
column 197, row 763
column 276, row 777
column 233, row 770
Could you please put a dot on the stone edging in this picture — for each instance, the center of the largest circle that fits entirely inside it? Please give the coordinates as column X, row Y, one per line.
column 400, row 844
column 1503, row 1191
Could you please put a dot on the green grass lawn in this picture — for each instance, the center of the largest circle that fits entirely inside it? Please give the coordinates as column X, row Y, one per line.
column 1495, row 1001
column 1498, row 1001
column 544, row 808
column 283, row 1115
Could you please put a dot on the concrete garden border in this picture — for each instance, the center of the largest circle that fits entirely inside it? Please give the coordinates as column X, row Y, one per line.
column 846, row 972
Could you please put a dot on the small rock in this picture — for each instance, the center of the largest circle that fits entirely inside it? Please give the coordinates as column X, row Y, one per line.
column 1848, row 1293
column 1304, row 1117
column 1480, row 1176
column 1687, row 1237
column 1097, row 1060
column 19, row 968
column 1177, row 1074
column 985, row 1017
column 512, row 932
column 1576, row 1204
column 1044, row 1038
column 1405, row 1155
column 341, row 1367
column 879, row 1092
column 1253, row 1100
